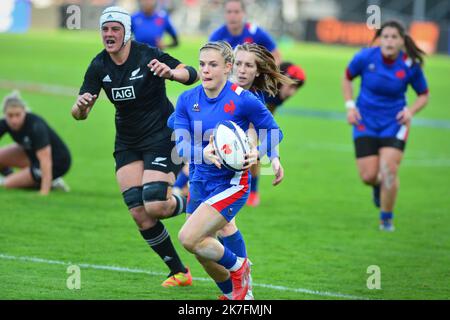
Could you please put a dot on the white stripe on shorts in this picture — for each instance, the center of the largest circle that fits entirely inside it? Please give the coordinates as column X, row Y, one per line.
column 224, row 194
column 401, row 134
column 236, row 187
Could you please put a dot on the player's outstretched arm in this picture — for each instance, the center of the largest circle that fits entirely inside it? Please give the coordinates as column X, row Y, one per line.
column 183, row 74
column 83, row 106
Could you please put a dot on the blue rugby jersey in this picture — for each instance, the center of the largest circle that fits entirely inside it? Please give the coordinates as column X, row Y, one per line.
column 250, row 34
column 195, row 110
column 383, row 82
column 150, row 29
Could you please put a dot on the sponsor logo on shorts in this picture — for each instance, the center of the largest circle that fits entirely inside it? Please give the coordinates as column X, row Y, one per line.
column 124, row 93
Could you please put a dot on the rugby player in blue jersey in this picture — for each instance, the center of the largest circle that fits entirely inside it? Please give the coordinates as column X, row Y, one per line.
column 236, row 31
column 381, row 116
column 149, row 25
column 216, row 194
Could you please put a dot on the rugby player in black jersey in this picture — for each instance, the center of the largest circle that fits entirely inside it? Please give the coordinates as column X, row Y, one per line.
column 38, row 151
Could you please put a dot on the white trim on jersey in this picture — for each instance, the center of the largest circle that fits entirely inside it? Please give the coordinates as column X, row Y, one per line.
column 408, row 62
column 237, row 89
column 252, row 28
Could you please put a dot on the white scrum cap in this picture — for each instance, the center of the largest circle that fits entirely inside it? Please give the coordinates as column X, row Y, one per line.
column 120, row 15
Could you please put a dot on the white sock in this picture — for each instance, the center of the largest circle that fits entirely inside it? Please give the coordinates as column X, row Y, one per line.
column 238, row 264
column 2, row 181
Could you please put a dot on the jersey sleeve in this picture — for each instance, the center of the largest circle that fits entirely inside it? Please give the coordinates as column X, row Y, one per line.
column 92, row 82
column 186, row 148
column 269, row 133
column 265, row 39
column 418, row 80
column 39, row 135
column 215, row 36
column 167, row 59
column 357, row 65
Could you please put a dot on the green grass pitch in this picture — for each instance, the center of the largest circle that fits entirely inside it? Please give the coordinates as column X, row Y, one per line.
column 312, row 237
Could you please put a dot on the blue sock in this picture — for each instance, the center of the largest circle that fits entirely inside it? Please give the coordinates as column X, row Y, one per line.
column 182, row 179
column 236, row 244
column 385, row 216
column 254, row 184
column 226, row 287
column 228, row 260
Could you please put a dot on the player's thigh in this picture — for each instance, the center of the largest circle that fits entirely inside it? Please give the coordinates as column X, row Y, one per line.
column 367, row 157
column 130, row 175
column 391, row 157
column 21, row 179
column 154, row 175
column 205, row 222
column 229, row 229
column 14, row 156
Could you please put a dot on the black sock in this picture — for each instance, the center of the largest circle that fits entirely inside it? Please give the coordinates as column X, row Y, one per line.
column 181, row 205
column 159, row 240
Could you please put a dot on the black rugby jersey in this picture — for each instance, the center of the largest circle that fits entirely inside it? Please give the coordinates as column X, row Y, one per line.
column 36, row 134
column 142, row 107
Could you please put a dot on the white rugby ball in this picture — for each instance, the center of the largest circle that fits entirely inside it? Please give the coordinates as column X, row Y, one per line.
column 231, row 144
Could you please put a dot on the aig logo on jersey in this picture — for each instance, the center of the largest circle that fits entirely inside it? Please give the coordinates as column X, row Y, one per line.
column 124, row 93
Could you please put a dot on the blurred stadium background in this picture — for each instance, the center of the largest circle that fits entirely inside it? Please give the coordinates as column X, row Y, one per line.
column 311, row 238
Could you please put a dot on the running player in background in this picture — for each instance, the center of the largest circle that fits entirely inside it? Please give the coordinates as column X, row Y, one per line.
column 381, row 117
column 133, row 76
column 150, row 24
column 236, row 31
column 217, row 194
column 38, row 151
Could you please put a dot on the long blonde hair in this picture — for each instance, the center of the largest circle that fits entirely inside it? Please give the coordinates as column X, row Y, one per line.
column 270, row 77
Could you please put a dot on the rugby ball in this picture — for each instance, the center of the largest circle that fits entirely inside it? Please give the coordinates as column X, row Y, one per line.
column 231, row 144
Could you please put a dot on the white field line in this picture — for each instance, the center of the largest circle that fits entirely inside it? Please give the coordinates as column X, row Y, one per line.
column 153, row 273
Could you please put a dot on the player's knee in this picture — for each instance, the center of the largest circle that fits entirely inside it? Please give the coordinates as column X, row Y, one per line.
column 388, row 174
column 201, row 260
column 133, row 197
column 155, row 198
column 369, row 177
column 228, row 230
column 142, row 220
